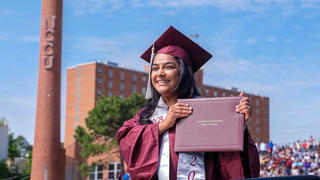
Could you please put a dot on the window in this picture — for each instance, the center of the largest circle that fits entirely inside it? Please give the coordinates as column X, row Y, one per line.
column 114, row 170
column 99, row 82
column 134, row 78
column 215, row 94
column 257, row 130
column 134, row 88
column 266, row 116
column 121, row 96
column 78, row 85
column 110, row 73
column 110, row 94
column 144, row 79
column 122, row 75
column 77, row 118
column 99, row 70
column 257, row 102
column 257, row 111
column 78, row 72
column 78, row 96
column 96, row 173
column 143, row 90
column 223, row 94
column 110, row 84
column 257, row 120
column 207, row 92
column 121, row 86
column 266, row 123
column 99, row 92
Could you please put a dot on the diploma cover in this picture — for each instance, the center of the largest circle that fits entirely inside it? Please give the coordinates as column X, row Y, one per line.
column 214, row 125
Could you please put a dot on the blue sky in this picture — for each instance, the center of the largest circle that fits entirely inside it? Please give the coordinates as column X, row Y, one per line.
column 269, row 47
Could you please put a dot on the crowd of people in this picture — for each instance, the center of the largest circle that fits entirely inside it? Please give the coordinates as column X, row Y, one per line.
column 297, row 158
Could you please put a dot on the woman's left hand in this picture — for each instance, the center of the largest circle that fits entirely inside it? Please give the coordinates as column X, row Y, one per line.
column 244, row 107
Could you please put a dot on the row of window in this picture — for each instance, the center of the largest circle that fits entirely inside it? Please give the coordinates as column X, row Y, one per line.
column 215, row 93
column 114, row 171
column 122, row 75
column 134, row 90
column 110, row 85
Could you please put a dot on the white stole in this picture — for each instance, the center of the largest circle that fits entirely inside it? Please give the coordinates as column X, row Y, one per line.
column 190, row 165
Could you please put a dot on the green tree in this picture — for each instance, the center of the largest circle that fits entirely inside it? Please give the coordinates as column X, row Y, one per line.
column 4, row 170
column 27, row 170
column 2, row 120
column 18, row 147
column 102, row 124
column 13, row 150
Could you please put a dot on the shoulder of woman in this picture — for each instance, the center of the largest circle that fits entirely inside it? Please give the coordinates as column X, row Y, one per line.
column 140, row 111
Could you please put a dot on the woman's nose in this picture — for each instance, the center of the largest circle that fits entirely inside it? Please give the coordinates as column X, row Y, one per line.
column 161, row 72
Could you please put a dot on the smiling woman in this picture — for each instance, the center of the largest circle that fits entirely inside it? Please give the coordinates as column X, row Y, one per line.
column 165, row 75
column 147, row 140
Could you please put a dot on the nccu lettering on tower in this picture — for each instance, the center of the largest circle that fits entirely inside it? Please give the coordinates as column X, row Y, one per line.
column 49, row 27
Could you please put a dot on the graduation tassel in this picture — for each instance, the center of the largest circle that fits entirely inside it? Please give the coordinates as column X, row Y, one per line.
column 148, row 91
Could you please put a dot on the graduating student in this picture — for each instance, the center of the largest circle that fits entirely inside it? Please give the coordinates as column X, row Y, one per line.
column 147, row 140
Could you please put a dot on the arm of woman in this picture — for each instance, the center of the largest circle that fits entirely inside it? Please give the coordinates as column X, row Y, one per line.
column 139, row 147
column 176, row 111
column 249, row 155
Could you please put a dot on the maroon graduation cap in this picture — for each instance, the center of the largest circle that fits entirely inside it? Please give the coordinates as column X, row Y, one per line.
column 177, row 44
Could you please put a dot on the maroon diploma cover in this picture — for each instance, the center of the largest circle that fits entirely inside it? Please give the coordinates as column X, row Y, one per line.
column 214, row 125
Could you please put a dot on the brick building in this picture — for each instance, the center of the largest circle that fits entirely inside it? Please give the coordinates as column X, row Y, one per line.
column 86, row 82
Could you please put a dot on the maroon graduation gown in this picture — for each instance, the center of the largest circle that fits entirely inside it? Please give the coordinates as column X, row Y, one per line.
column 140, row 145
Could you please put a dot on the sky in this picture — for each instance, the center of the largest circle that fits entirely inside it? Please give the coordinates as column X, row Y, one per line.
column 268, row 47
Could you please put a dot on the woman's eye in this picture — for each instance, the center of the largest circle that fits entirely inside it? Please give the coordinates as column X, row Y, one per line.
column 154, row 68
column 169, row 67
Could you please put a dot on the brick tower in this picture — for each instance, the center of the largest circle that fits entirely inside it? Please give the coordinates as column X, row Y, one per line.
column 48, row 156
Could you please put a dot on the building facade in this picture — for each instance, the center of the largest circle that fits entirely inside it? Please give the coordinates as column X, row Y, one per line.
column 86, row 82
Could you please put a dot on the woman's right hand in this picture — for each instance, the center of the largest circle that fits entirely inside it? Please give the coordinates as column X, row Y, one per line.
column 176, row 111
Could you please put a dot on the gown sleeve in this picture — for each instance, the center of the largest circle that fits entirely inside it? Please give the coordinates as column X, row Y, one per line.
column 139, row 147
column 250, row 157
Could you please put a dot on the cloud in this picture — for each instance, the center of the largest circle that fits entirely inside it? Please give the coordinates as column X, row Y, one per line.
column 99, row 45
column 122, row 49
column 29, row 39
column 297, row 27
column 271, row 39
column 6, row 12
column 2, row 37
column 310, row 4
column 136, row 3
column 251, row 41
column 82, row 7
column 287, row 7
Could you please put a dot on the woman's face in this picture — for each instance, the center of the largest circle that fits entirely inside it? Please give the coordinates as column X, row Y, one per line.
column 165, row 74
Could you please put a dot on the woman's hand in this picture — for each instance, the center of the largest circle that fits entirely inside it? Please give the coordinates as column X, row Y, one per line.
column 244, row 107
column 176, row 111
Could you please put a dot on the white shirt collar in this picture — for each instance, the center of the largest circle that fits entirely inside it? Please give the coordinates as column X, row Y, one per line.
column 161, row 103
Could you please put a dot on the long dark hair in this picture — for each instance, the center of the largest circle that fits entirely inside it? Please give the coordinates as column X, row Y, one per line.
column 186, row 88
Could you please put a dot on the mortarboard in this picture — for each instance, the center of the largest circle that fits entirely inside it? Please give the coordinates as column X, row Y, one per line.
column 177, row 44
